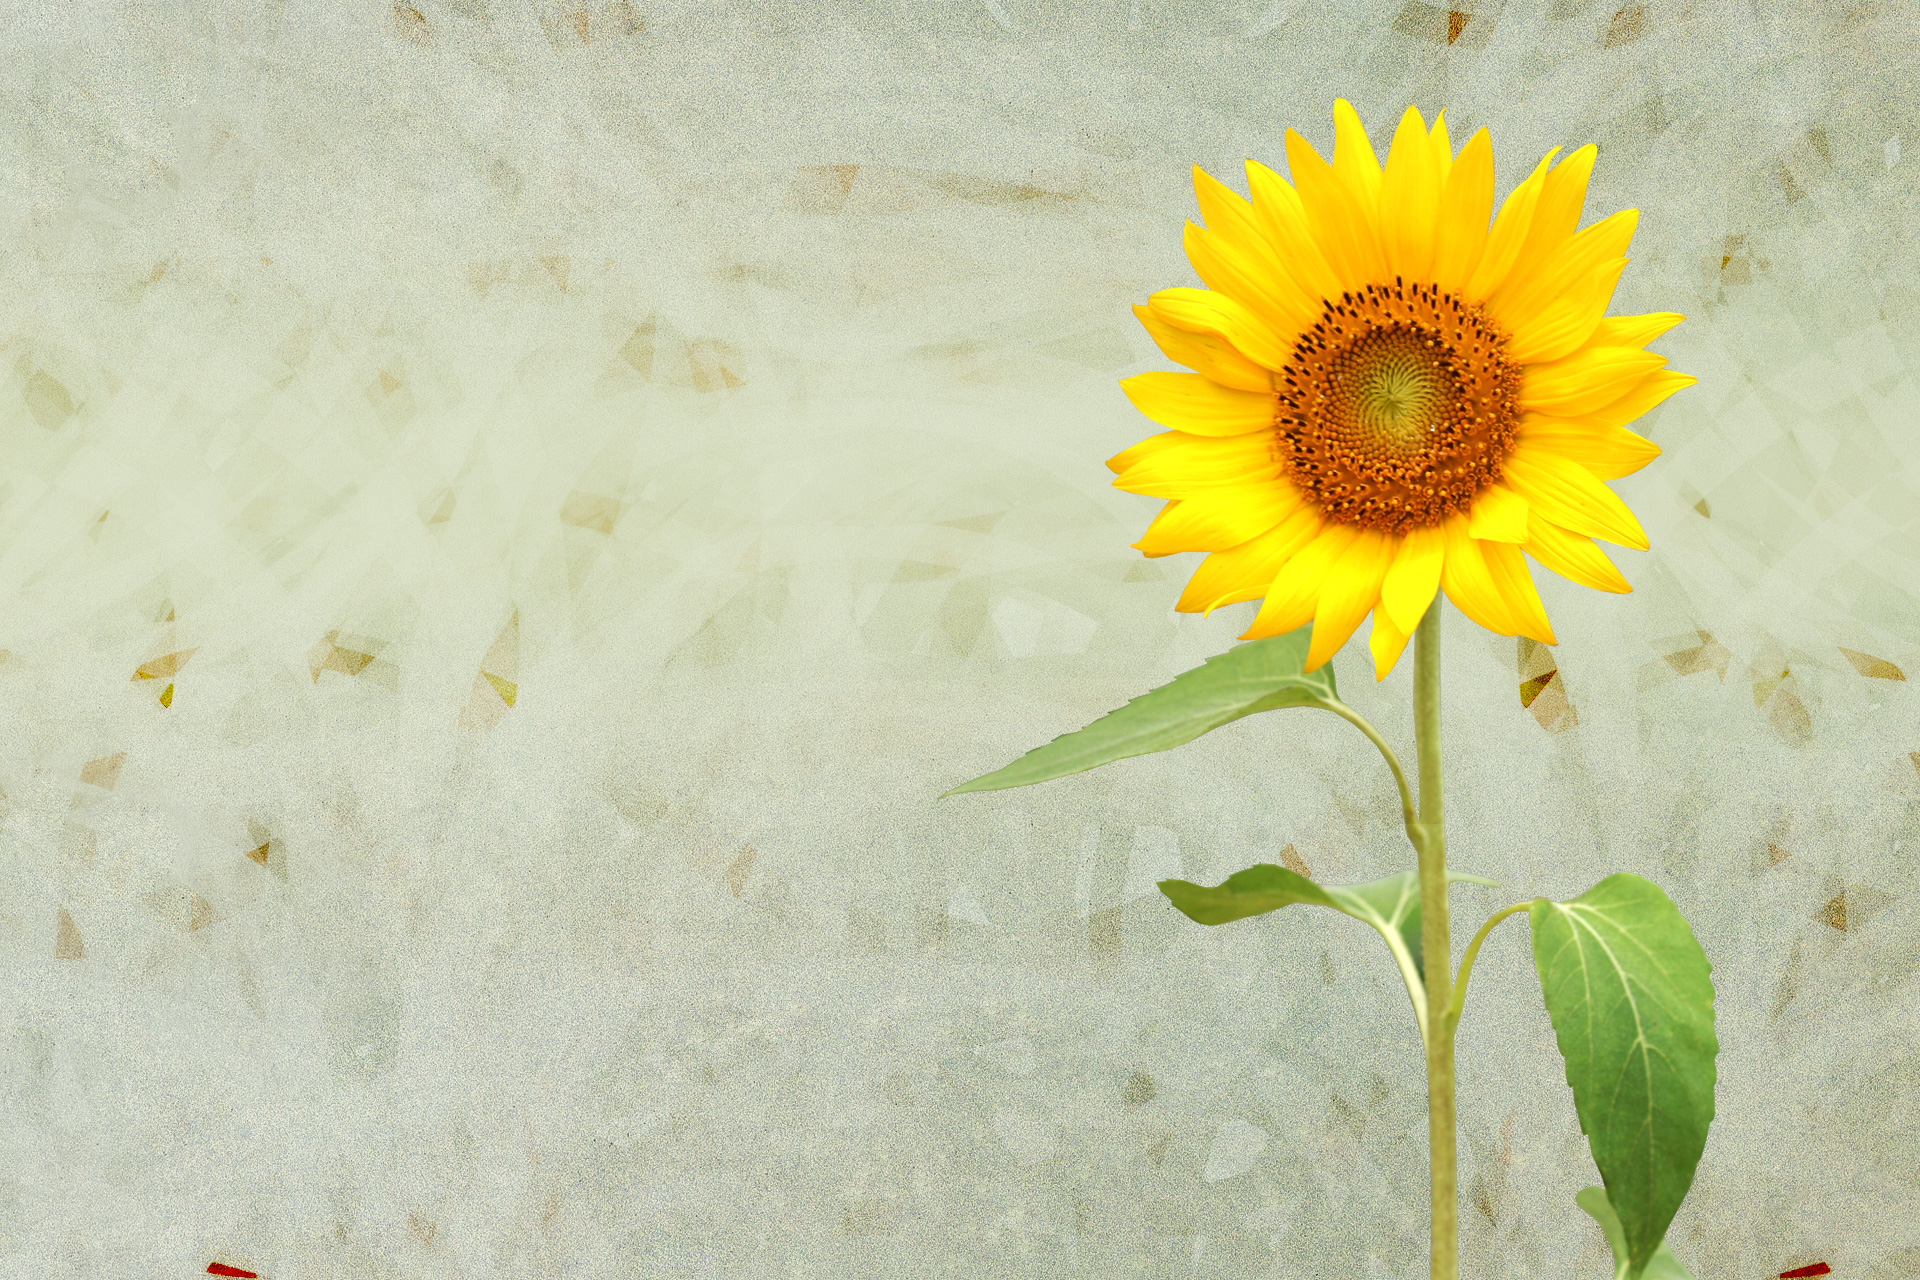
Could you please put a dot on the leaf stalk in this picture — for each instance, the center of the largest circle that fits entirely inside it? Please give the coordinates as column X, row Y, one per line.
column 1408, row 813
column 1466, row 963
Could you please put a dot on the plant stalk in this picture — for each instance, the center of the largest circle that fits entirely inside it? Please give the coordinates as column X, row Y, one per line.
column 1436, row 945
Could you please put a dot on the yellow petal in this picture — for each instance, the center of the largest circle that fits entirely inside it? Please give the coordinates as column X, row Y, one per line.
column 1386, row 643
column 1634, row 331
column 1530, row 290
column 1589, row 379
column 1641, row 399
column 1466, row 202
column 1239, row 246
column 1285, row 219
column 1442, row 145
column 1561, row 198
column 1128, row 457
column 1411, row 582
column 1347, row 234
column 1565, row 492
column 1410, row 200
column 1555, row 215
column 1467, row 581
column 1198, row 405
column 1225, row 266
column 1498, row 514
column 1203, row 311
column 1608, row 452
column 1351, row 590
column 1216, row 519
column 1573, row 557
column 1188, row 464
column 1561, row 327
column 1353, row 160
column 1222, row 208
column 1508, row 570
column 1205, row 354
column 1246, row 571
column 1509, row 234
column 1296, row 588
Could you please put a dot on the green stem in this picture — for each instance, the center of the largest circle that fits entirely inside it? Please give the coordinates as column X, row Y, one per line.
column 1466, row 963
column 1436, row 945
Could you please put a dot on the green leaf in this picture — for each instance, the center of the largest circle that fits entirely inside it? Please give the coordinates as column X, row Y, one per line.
column 1628, row 989
column 1391, row 906
column 1261, row 675
column 1662, row 1266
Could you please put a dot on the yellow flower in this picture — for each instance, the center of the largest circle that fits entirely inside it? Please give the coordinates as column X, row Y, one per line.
column 1389, row 398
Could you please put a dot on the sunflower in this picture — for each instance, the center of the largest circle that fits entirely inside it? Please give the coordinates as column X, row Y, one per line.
column 1391, row 398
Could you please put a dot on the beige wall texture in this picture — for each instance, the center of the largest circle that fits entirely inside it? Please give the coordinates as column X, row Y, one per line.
column 510, row 515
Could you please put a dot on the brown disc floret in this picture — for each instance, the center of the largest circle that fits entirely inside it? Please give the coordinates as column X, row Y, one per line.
column 1398, row 407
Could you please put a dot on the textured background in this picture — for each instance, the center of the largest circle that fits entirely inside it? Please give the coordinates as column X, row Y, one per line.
column 509, row 517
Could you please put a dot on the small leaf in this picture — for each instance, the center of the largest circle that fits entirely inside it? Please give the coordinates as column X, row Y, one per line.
column 1391, row 906
column 1662, row 1266
column 1252, row 892
column 1261, row 675
column 1631, row 998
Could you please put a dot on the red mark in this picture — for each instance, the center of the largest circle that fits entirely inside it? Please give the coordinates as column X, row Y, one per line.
column 222, row 1269
column 1817, row 1269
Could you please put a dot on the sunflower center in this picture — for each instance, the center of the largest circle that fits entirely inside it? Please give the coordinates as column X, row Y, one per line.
column 1397, row 408
column 1397, row 389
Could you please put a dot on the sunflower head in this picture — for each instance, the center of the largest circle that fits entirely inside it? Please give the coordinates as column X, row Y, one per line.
column 1391, row 397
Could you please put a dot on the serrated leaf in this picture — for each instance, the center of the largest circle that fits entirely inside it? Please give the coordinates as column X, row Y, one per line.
column 1661, row 1266
column 1261, row 675
column 1391, row 906
column 1630, row 994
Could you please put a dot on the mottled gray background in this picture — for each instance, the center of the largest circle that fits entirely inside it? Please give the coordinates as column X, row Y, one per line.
column 584, row 480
